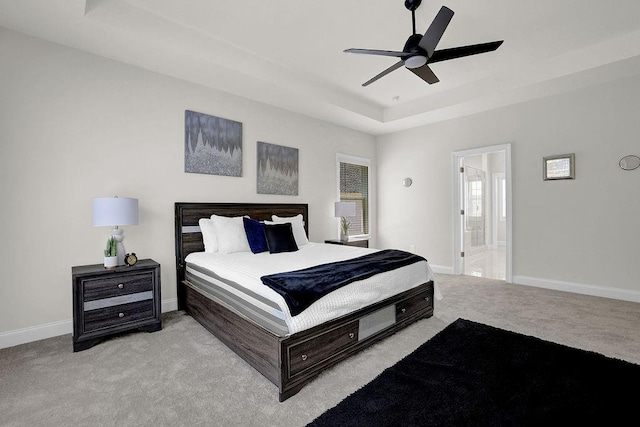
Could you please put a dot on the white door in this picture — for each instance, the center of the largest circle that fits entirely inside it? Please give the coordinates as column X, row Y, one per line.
column 482, row 212
column 474, row 207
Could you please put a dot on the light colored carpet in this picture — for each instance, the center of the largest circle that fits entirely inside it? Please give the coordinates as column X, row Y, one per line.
column 183, row 376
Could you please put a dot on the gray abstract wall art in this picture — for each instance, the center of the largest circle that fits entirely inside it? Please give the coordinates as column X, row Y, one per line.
column 277, row 169
column 212, row 145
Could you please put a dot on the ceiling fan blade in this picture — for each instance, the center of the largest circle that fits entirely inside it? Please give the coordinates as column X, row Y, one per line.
column 378, row 52
column 384, row 73
column 461, row 51
column 426, row 74
column 434, row 33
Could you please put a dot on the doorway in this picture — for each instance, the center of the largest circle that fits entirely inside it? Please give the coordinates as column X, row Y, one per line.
column 482, row 212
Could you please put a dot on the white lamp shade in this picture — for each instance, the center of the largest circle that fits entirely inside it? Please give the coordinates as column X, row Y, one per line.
column 112, row 211
column 345, row 209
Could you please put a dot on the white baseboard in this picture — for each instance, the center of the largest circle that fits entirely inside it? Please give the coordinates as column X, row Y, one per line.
column 558, row 285
column 441, row 269
column 169, row 305
column 50, row 330
column 35, row 333
column 579, row 288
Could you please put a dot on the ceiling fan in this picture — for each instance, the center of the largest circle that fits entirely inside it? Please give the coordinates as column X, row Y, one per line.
column 420, row 50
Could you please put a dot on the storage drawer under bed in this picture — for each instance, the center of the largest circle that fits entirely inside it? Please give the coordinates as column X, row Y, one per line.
column 321, row 347
column 411, row 306
column 325, row 345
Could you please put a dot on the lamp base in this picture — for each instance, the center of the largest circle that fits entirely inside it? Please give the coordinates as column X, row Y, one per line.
column 118, row 235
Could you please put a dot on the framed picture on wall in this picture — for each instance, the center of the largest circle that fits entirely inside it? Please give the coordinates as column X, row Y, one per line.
column 212, row 145
column 559, row 167
column 277, row 169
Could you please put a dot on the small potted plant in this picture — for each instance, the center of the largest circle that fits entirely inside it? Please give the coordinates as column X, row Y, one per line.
column 344, row 229
column 111, row 254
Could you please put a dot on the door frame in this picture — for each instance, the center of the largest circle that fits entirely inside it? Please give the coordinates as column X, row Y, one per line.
column 457, row 158
column 496, row 208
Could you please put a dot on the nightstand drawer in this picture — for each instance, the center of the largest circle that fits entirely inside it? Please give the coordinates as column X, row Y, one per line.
column 358, row 243
column 118, row 315
column 361, row 243
column 115, row 285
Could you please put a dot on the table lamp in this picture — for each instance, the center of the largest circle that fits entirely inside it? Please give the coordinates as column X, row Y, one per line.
column 114, row 212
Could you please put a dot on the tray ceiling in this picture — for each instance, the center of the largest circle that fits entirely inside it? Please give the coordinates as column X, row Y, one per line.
column 290, row 53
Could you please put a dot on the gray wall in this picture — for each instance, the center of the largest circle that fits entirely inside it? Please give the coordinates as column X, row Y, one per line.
column 75, row 126
column 577, row 234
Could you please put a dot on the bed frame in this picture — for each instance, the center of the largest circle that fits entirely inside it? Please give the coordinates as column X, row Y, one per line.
column 293, row 361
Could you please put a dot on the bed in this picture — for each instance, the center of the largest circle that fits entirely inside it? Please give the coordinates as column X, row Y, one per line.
column 289, row 356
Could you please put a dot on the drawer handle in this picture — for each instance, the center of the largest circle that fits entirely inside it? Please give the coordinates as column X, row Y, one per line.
column 351, row 335
column 426, row 299
column 120, row 286
column 403, row 310
column 120, row 314
column 304, row 357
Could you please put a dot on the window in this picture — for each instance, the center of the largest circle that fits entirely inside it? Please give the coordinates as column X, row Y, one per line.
column 353, row 182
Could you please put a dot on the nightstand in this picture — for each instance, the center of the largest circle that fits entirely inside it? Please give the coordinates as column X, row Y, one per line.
column 111, row 301
column 361, row 243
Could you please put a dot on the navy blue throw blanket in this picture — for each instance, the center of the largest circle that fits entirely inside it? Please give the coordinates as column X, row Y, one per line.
column 302, row 288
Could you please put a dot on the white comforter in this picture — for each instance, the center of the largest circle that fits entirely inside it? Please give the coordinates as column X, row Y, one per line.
column 246, row 268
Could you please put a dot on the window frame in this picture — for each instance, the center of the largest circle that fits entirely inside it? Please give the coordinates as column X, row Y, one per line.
column 360, row 161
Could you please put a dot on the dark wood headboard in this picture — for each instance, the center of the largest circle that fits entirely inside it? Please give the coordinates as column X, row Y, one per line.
column 187, row 230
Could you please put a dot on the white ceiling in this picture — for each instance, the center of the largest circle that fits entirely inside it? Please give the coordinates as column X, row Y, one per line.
column 289, row 53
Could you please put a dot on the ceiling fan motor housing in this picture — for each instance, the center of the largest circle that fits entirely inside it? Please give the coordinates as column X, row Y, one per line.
column 412, row 45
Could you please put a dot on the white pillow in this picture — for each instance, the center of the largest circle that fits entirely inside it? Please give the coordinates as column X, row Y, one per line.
column 297, row 223
column 230, row 234
column 208, row 235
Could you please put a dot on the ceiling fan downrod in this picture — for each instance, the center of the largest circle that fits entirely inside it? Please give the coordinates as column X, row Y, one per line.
column 412, row 5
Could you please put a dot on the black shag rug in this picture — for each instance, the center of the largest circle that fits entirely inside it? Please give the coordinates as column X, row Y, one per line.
column 472, row 374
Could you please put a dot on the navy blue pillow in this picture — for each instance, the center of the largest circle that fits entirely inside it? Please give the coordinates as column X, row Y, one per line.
column 255, row 235
column 280, row 238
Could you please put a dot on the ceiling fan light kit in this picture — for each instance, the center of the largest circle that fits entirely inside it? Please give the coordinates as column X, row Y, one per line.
column 420, row 50
column 415, row 61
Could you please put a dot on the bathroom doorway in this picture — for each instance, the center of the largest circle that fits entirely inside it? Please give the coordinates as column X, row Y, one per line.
column 483, row 212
